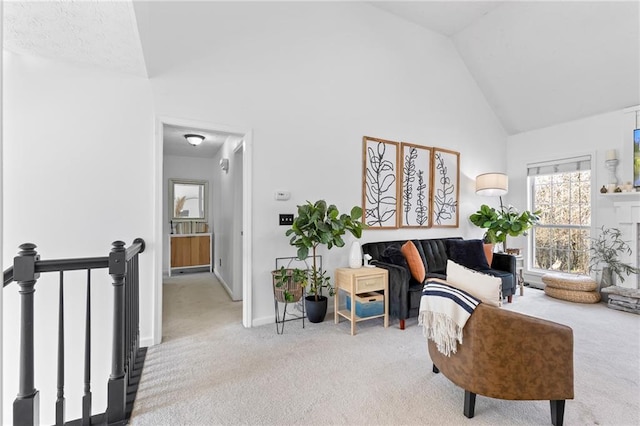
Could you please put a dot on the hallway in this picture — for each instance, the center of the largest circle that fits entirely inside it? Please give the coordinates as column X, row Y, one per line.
column 197, row 315
column 194, row 303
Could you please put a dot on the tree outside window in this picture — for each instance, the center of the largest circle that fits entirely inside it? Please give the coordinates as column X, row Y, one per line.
column 562, row 192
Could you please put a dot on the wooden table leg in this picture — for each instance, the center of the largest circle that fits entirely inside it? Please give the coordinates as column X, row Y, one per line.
column 336, row 317
column 521, row 279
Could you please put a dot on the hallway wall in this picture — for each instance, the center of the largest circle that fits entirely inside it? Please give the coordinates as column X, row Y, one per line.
column 225, row 215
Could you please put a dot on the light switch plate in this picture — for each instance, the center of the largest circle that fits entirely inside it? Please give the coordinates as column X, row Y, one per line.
column 286, row 219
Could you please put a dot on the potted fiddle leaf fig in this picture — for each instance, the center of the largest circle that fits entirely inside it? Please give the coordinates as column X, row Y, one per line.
column 503, row 223
column 606, row 249
column 318, row 224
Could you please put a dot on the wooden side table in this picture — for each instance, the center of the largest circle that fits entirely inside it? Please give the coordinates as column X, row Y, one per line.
column 361, row 280
column 519, row 276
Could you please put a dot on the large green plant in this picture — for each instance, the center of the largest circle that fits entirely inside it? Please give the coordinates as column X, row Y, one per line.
column 504, row 222
column 606, row 248
column 315, row 225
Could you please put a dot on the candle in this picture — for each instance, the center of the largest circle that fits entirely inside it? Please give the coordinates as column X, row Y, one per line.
column 611, row 154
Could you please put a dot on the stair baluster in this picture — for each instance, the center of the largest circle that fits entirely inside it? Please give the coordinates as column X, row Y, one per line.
column 127, row 356
column 60, row 395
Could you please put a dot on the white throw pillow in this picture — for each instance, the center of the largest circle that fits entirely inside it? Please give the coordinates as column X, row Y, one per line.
column 485, row 287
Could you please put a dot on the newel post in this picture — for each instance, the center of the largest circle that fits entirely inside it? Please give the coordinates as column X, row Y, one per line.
column 26, row 407
column 116, row 405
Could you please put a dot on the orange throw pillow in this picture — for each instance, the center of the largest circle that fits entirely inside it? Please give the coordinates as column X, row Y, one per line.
column 414, row 260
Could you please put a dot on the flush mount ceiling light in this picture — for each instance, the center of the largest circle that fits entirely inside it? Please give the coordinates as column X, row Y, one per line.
column 193, row 139
column 492, row 184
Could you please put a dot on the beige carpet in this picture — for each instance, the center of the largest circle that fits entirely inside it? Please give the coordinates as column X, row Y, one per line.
column 209, row 370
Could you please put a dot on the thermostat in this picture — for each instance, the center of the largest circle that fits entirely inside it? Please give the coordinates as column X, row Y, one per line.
column 283, row 195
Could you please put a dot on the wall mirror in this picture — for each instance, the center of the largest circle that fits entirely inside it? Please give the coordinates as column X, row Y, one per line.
column 188, row 199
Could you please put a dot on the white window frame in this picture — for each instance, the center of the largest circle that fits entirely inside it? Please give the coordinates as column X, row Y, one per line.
column 591, row 157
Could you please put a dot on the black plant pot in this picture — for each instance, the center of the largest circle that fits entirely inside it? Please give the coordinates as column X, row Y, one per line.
column 316, row 311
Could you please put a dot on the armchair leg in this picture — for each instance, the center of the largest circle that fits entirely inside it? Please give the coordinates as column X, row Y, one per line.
column 557, row 412
column 469, row 404
column 401, row 324
column 435, row 369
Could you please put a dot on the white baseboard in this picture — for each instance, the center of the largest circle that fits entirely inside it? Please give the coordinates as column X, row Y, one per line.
column 534, row 280
column 146, row 342
column 224, row 284
column 258, row 322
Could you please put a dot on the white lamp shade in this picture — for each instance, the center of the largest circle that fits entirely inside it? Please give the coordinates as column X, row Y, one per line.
column 492, row 184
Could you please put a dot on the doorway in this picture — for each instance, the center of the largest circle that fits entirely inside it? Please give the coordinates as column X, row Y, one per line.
column 238, row 144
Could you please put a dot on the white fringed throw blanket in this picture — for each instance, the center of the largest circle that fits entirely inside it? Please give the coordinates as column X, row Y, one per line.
column 444, row 310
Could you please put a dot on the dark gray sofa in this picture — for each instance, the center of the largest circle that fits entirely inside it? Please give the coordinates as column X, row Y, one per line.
column 405, row 291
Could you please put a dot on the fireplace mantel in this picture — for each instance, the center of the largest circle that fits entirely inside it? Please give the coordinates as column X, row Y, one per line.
column 626, row 205
column 622, row 196
column 627, row 208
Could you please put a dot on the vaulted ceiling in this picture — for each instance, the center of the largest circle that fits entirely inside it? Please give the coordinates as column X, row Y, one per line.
column 538, row 63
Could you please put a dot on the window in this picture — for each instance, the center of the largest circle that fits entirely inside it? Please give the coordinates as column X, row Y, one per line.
column 561, row 190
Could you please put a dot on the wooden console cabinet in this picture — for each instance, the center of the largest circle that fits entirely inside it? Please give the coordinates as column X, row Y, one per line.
column 190, row 251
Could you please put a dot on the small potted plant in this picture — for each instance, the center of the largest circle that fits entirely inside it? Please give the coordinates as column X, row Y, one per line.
column 318, row 224
column 288, row 284
column 503, row 223
column 605, row 250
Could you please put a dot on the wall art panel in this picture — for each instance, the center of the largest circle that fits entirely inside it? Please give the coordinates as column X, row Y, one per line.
column 380, row 183
column 415, row 186
column 445, row 171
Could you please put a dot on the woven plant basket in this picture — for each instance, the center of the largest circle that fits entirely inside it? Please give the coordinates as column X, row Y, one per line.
column 569, row 282
column 573, row 295
column 293, row 288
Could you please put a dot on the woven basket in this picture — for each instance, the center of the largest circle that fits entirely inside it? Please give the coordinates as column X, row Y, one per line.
column 572, row 295
column 569, row 282
column 293, row 288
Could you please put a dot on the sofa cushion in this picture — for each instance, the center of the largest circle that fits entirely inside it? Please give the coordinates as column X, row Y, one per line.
column 435, row 254
column 393, row 254
column 468, row 253
column 416, row 266
column 485, row 287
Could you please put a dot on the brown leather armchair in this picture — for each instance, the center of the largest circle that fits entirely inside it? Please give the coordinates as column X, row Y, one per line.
column 508, row 355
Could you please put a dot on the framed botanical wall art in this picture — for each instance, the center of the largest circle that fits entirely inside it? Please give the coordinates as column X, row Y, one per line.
column 380, row 183
column 415, row 186
column 445, row 172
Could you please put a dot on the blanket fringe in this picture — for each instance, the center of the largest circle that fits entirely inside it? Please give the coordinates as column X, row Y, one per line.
column 444, row 332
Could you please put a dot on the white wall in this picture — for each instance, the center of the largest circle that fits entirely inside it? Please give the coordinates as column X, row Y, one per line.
column 592, row 135
column 224, row 198
column 311, row 79
column 1, row 197
column 78, row 174
column 176, row 167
